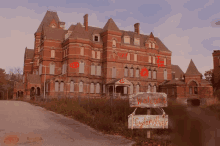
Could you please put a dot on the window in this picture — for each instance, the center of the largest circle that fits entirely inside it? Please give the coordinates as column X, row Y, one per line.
column 195, row 90
column 137, row 88
column 82, row 51
column 38, row 49
column 36, row 72
column 97, row 88
column 149, row 74
column 155, row 89
column 114, row 43
column 128, row 56
column 93, row 54
column 125, row 90
column 113, row 72
column 37, row 62
column 71, row 86
column 149, row 59
column 47, row 87
column 137, row 72
column 40, row 69
column 131, row 72
column 92, row 69
column 173, row 91
column 80, row 86
column 190, row 90
column 127, row 40
column 92, row 88
column 96, row 38
column 56, row 86
column 149, row 88
column 61, row 86
column 52, row 53
column 165, row 61
column 153, row 45
column 98, row 54
column 137, row 41
column 135, row 57
column 153, row 59
column 103, row 89
column 154, row 74
column 53, row 26
column 165, row 74
column 98, row 72
column 52, row 68
column 149, row 44
column 126, row 72
column 81, row 67
column 131, row 89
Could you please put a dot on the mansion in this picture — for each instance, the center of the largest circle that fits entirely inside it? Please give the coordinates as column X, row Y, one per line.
column 100, row 62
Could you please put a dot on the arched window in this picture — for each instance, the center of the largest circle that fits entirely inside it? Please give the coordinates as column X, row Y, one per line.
column 131, row 89
column 56, row 86
column 149, row 88
column 155, row 88
column 81, row 67
column 52, row 68
column 98, row 72
column 92, row 88
column 137, row 72
column 165, row 74
column 114, row 43
column 92, row 69
column 131, row 72
column 71, row 86
column 137, row 88
column 82, row 51
column 80, row 86
column 154, row 74
column 190, row 90
column 165, row 61
column 61, row 86
column 149, row 73
column 126, row 72
column 97, row 88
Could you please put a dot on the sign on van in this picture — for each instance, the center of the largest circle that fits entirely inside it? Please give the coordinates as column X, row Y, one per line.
column 148, row 100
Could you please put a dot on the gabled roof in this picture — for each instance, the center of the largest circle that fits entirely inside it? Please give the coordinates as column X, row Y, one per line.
column 54, row 33
column 192, row 70
column 79, row 32
column 49, row 16
column 110, row 25
column 34, row 79
column 29, row 53
column 151, row 35
column 178, row 72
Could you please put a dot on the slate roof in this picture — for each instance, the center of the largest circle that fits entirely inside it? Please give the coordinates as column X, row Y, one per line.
column 192, row 70
column 29, row 53
column 113, row 81
column 110, row 25
column 34, row 79
column 79, row 32
column 54, row 33
column 178, row 82
column 178, row 72
column 49, row 16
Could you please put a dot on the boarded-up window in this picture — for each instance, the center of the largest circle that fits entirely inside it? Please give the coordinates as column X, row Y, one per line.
column 155, row 89
column 52, row 53
column 131, row 89
column 37, row 62
column 131, row 72
column 98, row 70
column 127, row 40
column 52, row 68
column 126, row 72
column 98, row 54
column 113, row 72
column 71, row 86
column 137, row 41
column 61, row 86
column 153, row 59
column 97, row 88
column 92, row 69
column 114, row 43
column 137, row 72
column 165, row 61
column 149, row 74
column 165, row 74
column 82, row 51
column 137, row 88
column 81, row 67
column 128, row 56
column 80, row 86
column 93, row 54
column 125, row 90
column 149, row 59
column 103, row 89
column 154, row 74
column 135, row 57
column 92, row 88
column 40, row 69
column 56, row 86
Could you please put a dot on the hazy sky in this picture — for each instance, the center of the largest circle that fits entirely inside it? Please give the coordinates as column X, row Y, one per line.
column 187, row 28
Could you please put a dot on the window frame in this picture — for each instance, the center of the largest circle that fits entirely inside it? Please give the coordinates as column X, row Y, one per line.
column 137, row 40
column 94, row 37
column 128, row 39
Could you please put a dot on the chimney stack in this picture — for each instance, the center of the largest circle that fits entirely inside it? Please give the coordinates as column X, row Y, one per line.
column 136, row 28
column 86, row 22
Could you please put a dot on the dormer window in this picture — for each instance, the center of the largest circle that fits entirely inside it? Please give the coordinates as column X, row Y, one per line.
column 126, row 39
column 136, row 41
column 96, row 38
column 153, row 45
column 53, row 25
column 149, row 44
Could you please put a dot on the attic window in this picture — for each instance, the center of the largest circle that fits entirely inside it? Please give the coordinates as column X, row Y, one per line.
column 127, row 40
column 137, row 41
column 96, row 38
column 53, row 25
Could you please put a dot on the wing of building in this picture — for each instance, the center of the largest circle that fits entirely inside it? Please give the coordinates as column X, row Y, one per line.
column 97, row 62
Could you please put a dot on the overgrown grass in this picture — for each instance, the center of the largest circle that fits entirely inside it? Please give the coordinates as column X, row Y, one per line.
column 99, row 114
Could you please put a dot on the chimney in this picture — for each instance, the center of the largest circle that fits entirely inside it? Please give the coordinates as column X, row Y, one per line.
column 86, row 22
column 136, row 28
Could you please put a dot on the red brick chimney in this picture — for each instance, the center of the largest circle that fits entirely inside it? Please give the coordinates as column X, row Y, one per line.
column 136, row 28
column 86, row 22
